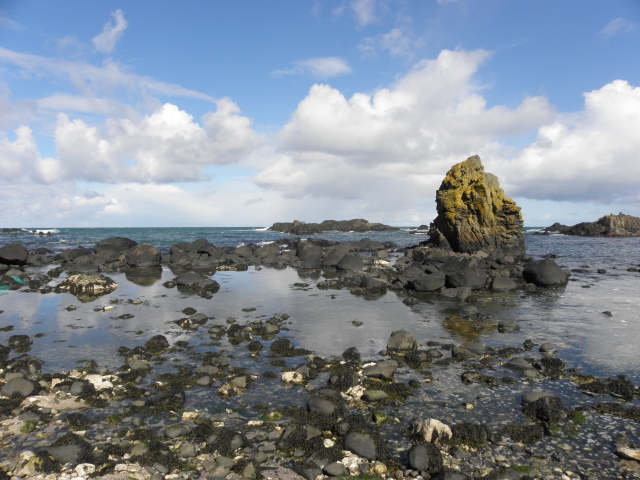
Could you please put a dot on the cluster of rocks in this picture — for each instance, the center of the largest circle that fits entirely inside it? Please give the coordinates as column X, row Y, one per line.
column 193, row 262
column 620, row 225
column 91, row 422
column 475, row 243
column 360, row 225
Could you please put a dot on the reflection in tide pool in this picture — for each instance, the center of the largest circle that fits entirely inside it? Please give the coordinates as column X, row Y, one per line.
column 323, row 320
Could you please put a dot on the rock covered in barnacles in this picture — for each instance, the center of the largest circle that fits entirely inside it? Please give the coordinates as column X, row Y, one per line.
column 91, row 285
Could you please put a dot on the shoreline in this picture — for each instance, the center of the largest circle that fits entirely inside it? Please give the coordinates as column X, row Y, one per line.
column 153, row 393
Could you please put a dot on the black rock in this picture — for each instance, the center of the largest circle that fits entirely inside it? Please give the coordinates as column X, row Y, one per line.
column 425, row 458
column 362, row 444
column 545, row 273
column 18, row 386
column 14, row 254
column 157, row 343
column 547, row 408
column 401, row 341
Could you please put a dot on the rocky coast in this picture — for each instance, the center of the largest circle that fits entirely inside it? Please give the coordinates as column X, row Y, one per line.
column 228, row 390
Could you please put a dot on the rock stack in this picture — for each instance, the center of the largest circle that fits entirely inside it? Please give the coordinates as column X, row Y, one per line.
column 474, row 214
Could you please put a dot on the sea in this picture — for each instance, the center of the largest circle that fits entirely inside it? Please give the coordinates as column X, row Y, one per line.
column 593, row 321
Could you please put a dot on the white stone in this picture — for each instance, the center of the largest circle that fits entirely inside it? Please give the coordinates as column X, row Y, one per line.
column 100, row 382
column 630, row 453
column 85, row 469
column 292, row 377
column 427, row 428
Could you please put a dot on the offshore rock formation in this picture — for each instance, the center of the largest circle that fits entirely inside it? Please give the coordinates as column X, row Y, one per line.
column 620, row 225
column 356, row 225
column 474, row 214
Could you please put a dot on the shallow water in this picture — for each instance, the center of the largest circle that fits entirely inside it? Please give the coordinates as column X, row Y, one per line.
column 322, row 320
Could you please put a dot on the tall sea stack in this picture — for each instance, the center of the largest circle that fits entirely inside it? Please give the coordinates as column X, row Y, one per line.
column 474, row 214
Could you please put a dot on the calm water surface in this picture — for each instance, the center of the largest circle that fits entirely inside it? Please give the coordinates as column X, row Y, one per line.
column 321, row 320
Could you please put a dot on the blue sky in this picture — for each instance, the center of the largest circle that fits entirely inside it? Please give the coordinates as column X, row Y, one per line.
column 154, row 113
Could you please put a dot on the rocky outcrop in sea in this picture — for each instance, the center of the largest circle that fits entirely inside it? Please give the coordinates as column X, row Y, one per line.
column 619, row 225
column 298, row 227
column 474, row 214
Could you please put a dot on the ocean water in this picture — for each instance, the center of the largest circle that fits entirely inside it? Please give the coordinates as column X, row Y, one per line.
column 600, row 343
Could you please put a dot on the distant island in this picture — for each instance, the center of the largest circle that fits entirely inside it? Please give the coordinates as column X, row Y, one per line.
column 356, row 225
column 620, row 225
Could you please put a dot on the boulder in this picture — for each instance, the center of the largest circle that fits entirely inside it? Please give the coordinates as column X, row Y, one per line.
column 119, row 244
column 474, row 214
column 362, row 444
column 383, row 370
column 464, row 272
column 351, row 262
column 430, row 430
column 82, row 284
column 334, row 254
column 545, row 273
column 425, row 457
column 503, row 284
column 143, row 255
column 401, row 341
column 428, row 283
column 309, row 254
column 18, row 386
column 14, row 254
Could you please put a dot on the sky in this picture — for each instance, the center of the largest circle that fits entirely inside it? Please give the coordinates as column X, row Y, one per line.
column 226, row 113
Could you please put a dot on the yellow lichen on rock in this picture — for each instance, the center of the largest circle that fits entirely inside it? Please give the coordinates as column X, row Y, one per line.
column 474, row 213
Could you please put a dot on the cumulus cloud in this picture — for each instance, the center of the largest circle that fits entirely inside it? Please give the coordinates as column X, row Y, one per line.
column 395, row 144
column 111, row 34
column 433, row 111
column 318, row 67
column 165, row 146
column 588, row 156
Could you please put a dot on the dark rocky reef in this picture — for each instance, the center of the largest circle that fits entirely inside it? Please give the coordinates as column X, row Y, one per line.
column 474, row 214
column 620, row 225
column 475, row 242
column 356, row 225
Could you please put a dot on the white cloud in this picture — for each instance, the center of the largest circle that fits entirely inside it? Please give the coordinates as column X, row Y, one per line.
column 7, row 23
column 93, row 81
column 390, row 148
column 13, row 113
column 165, row 146
column 17, row 155
column 589, row 156
column 364, row 11
column 432, row 111
column 28, row 204
column 318, row 67
column 619, row 26
column 112, row 32
column 396, row 42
